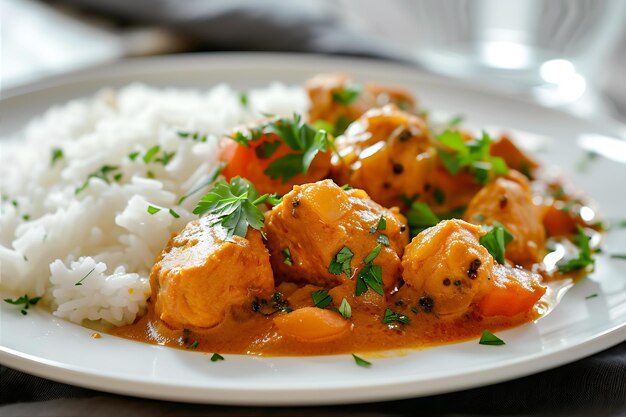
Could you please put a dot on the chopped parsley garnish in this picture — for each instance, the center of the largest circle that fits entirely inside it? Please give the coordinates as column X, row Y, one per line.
column 381, row 225
column 591, row 296
column 584, row 258
column 495, row 241
column 321, row 298
column 174, row 214
column 151, row 153
column 473, row 155
column 208, row 180
column 344, row 309
column 304, row 140
column 341, row 262
column 420, row 217
column 194, row 344
column 234, row 206
column 85, row 277
column 456, row 120
column 341, row 125
column 361, row 362
column 23, row 301
column 102, row 173
column 267, row 149
column 488, row 338
column 117, row 177
column 347, row 95
column 133, row 155
column 391, row 316
column 165, row 158
column 26, row 217
column 618, row 255
column 373, row 254
column 55, row 155
column 383, row 240
column 439, row 196
column 287, row 260
column 346, row 187
column 370, row 276
column 149, row 174
column 216, row 357
column 153, row 210
column 194, row 136
column 243, row 99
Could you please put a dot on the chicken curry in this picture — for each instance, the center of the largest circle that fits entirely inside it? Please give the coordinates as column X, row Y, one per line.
column 362, row 227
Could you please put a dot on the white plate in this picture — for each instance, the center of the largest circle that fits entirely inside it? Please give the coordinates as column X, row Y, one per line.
column 43, row 345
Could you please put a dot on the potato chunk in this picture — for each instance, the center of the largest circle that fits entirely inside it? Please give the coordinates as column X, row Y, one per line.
column 508, row 200
column 200, row 276
column 448, row 264
column 315, row 221
column 386, row 152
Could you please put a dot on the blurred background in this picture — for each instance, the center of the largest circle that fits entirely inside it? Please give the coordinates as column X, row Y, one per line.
column 563, row 53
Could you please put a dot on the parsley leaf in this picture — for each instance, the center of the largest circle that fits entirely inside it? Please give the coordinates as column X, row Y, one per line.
column 102, row 173
column 233, row 206
column 420, row 217
column 584, row 258
column 287, row 260
column 347, row 95
column 243, row 99
column 321, row 298
column 150, row 153
column 370, row 276
column 391, row 316
column 383, row 240
column 591, row 296
column 216, row 357
column 55, row 155
column 495, row 241
column 266, row 149
column 80, row 282
column 361, row 362
column 208, row 180
column 194, row 136
column 473, row 155
column 304, row 140
column 344, row 309
column 341, row 262
column 488, row 338
column 381, row 225
column 373, row 254
column 23, row 301
column 153, row 210
column 174, row 214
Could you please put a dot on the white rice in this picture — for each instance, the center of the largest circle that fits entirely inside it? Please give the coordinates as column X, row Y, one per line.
column 103, row 237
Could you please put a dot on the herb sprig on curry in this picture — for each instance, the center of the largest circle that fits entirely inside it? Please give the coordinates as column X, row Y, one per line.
column 435, row 236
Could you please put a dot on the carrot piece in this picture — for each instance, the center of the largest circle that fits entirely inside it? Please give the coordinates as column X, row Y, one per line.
column 312, row 324
column 558, row 222
column 513, row 292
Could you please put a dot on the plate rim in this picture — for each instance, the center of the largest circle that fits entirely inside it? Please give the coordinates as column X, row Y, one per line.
column 43, row 367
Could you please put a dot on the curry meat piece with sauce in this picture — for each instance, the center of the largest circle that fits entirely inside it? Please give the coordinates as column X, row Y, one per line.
column 447, row 265
column 387, row 152
column 201, row 275
column 324, row 91
column 509, row 201
column 315, row 221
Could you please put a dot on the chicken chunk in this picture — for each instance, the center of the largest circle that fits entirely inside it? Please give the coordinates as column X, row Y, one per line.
column 200, row 275
column 447, row 264
column 509, row 201
column 386, row 152
column 335, row 98
column 316, row 221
